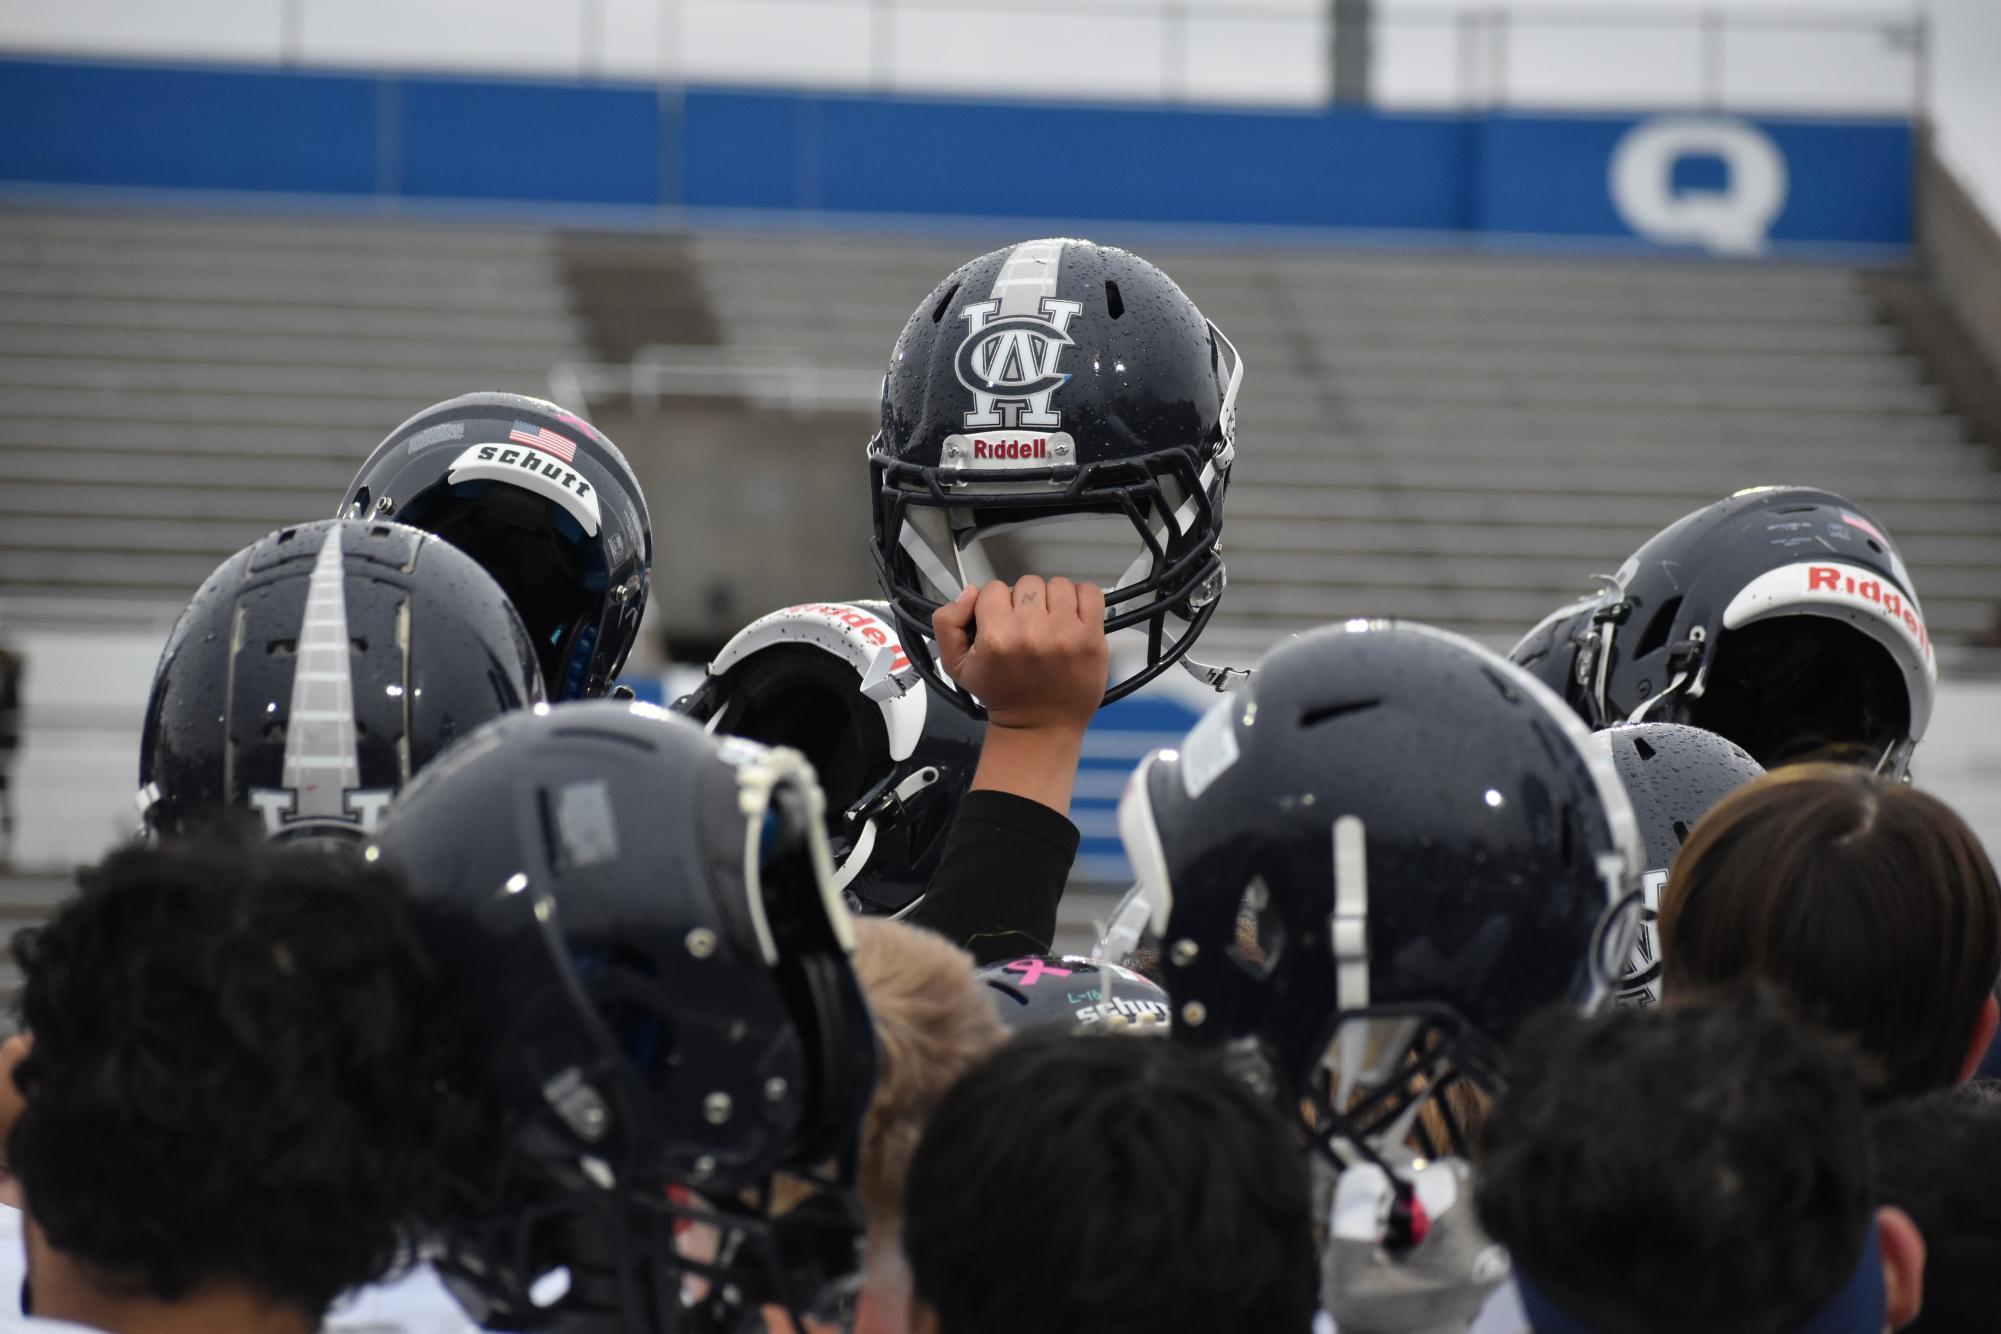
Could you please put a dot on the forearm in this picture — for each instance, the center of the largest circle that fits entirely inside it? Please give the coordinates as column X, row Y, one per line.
column 1039, row 763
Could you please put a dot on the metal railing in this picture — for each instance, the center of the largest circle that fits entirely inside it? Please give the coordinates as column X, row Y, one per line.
column 779, row 378
column 1479, row 53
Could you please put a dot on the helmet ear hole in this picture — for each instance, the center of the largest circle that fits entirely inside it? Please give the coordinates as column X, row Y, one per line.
column 1658, row 627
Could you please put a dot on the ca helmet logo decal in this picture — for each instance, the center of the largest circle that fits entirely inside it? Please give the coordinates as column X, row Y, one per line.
column 1010, row 364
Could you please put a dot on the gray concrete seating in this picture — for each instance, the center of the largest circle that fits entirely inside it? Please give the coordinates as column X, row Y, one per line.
column 174, row 385
column 1466, row 438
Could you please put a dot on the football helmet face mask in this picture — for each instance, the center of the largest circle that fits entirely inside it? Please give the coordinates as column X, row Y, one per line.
column 1072, row 990
column 1781, row 618
column 637, row 926
column 317, row 670
column 1057, row 408
column 1369, row 867
column 545, row 503
column 833, row 681
column 1673, row 774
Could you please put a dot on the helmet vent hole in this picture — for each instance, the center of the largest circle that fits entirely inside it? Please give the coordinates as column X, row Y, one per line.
column 944, row 303
column 380, row 530
column 1566, row 836
column 1658, row 627
column 1328, row 713
column 360, row 644
column 1501, row 684
column 1642, row 749
column 287, row 534
column 274, row 647
column 1874, row 545
column 1680, row 832
column 1115, row 305
column 1260, row 933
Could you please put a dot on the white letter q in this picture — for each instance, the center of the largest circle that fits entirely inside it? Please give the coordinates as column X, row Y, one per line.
column 1730, row 221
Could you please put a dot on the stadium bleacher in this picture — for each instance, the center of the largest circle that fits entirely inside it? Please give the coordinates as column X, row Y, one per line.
column 1485, row 428
column 146, row 361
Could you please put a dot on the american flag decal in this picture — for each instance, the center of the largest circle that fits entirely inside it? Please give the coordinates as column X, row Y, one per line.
column 538, row 437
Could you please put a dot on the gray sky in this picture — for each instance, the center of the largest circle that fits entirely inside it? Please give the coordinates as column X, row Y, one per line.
column 1603, row 53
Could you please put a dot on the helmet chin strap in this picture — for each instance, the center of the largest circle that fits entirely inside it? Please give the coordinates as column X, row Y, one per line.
column 852, row 864
column 1216, row 678
column 1674, row 687
column 856, row 861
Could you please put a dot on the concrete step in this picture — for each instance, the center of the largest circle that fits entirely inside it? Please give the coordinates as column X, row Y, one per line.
column 444, row 321
column 86, row 434
column 1937, row 450
column 285, row 288
column 168, row 574
column 510, row 362
column 143, row 469
column 370, row 415
column 1873, row 484
column 281, row 381
column 1250, row 501
column 257, row 506
column 292, row 233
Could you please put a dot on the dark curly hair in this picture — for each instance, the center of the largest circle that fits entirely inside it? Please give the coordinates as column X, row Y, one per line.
column 235, row 1073
column 1703, row 1166
column 1113, row 1184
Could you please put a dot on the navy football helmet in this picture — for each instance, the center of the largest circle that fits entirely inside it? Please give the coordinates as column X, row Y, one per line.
column 1083, row 994
column 543, row 501
column 1781, row 617
column 319, row 669
column 833, row 681
column 638, row 930
column 1370, row 866
column 1057, row 408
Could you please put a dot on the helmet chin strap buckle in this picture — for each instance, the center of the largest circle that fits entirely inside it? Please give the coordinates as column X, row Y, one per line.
column 1689, row 663
column 1220, row 679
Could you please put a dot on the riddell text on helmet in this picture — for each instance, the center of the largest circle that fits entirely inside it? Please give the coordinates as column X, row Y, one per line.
column 1828, row 578
column 1038, row 448
column 871, row 630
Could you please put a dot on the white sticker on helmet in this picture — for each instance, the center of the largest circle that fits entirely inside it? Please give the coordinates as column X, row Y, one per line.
column 1210, row 748
column 1140, row 834
column 531, row 469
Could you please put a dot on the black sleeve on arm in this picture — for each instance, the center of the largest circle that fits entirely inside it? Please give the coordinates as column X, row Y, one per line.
column 997, row 886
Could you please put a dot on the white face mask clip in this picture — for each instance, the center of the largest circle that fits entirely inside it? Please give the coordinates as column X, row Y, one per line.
column 1219, row 679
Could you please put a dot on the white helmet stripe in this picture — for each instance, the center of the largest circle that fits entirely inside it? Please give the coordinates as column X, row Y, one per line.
column 1026, row 276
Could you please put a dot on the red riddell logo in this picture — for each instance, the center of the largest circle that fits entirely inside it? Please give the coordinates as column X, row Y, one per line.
column 870, row 629
column 1037, row 448
column 1826, row 578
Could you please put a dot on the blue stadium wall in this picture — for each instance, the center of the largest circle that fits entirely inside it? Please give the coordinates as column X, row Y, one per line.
column 397, row 139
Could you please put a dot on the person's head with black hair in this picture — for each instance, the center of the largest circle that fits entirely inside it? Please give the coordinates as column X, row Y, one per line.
column 1703, row 1166
column 225, row 1111
column 1938, row 1158
column 1135, row 1187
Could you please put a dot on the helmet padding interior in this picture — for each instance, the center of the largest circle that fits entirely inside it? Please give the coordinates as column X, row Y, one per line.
column 533, row 549
column 800, row 696
column 1804, row 687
